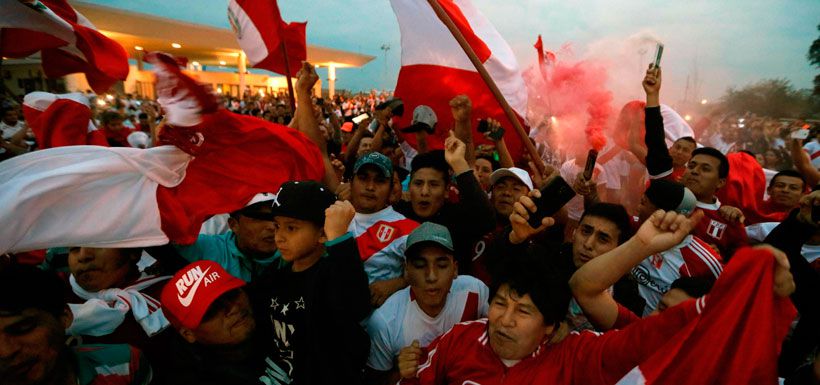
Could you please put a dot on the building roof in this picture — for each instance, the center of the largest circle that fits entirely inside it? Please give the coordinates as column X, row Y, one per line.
column 202, row 43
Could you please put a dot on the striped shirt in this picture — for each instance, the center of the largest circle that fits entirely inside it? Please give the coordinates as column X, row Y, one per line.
column 381, row 239
column 691, row 258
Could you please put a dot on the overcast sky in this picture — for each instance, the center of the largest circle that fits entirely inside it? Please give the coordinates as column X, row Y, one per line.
column 730, row 42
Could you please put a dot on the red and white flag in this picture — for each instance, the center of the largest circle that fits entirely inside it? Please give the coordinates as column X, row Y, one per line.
column 128, row 197
column 434, row 68
column 260, row 31
column 68, row 42
column 61, row 120
column 735, row 340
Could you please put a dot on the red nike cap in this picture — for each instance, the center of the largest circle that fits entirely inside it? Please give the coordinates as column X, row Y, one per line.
column 193, row 289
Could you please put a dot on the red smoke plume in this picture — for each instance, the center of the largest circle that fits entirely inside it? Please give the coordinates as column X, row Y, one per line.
column 575, row 94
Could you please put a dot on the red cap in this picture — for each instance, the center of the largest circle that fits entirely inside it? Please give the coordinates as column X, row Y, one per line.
column 347, row 127
column 187, row 296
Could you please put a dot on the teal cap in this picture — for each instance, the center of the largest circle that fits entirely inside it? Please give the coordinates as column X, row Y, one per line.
column 377, row 159
column 429, row 232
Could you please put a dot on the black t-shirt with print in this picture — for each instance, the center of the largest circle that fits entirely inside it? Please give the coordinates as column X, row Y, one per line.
column 286, row 312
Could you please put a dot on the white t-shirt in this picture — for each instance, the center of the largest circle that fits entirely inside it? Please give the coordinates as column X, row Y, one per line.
column 400, row 320
column 569, row 171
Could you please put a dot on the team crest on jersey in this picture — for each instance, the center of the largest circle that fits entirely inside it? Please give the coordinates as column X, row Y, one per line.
column 657, row 261
column 716, row 229
column 385, row 233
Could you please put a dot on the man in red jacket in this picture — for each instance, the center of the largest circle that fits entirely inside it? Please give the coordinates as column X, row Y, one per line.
column 523, row 341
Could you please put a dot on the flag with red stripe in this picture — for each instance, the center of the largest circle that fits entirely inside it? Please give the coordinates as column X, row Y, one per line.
column 128, row 197
column 261, row 32
column 434, row 68
column 67, row 41
column 61, row 120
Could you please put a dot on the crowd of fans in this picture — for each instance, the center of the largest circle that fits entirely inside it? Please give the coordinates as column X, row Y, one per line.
column 421, row 266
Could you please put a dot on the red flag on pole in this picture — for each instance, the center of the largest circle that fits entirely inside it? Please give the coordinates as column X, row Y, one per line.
column 260, row 30
column 435, row 68
column 68, row 42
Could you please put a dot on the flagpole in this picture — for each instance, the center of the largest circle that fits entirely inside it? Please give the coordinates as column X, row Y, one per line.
column 445, row 18
column 287, row 74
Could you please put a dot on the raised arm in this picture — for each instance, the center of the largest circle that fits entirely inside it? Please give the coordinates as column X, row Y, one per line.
column 306, row 119
column 658, row 160
column 495, row 133
column 462, row 109
column 475, row 214
column 589, row 284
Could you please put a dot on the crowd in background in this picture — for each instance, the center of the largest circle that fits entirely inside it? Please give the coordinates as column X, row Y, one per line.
column 431, row 266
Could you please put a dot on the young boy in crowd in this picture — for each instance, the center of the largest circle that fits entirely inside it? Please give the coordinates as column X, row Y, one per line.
column 317, row 295
column 437, row 299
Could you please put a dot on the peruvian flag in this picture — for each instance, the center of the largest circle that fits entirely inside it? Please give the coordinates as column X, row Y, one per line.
column 68, row 42
column 61, row 120
column 434, row 68
column 129, row 197
column 261, row 32
column 737, row 337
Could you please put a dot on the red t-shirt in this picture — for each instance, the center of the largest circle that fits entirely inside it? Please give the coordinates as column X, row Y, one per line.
column 716, row 230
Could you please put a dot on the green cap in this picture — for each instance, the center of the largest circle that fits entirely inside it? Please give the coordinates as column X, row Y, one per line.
column 429, row 232
column 377, row 159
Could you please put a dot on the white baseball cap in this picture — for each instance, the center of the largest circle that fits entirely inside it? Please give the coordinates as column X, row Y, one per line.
column 424, row 114
column 514, row 172
column 139, row 139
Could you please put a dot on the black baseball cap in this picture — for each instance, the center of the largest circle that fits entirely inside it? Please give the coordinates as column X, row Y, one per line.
column 306, row 200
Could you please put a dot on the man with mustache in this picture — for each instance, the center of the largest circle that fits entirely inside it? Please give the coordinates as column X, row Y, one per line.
column 523, row 340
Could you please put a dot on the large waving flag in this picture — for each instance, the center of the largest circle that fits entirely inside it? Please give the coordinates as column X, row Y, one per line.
column 260, row 30
column 68, row 42
column 61, row 120
column 434, row 68
column 127, row 197
column 745, row 188
column 735, row 340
